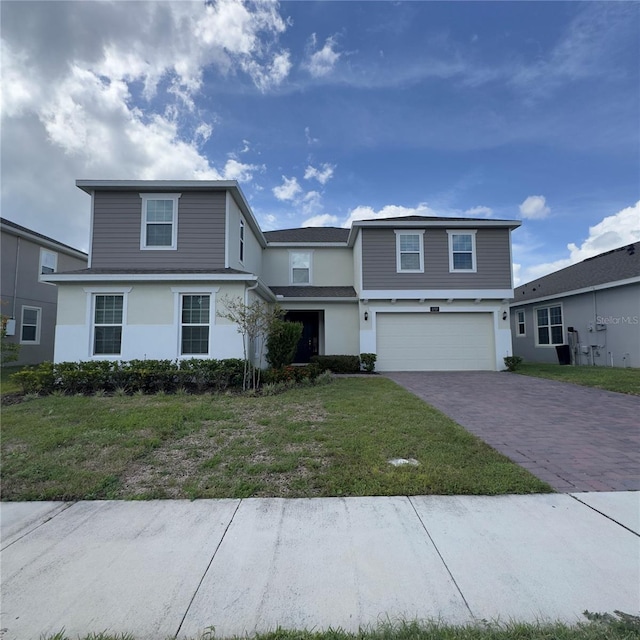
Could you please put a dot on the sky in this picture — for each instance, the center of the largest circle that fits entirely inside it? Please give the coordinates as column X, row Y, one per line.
column 329, row 112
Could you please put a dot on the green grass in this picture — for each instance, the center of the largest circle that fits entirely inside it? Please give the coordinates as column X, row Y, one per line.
column 600, row 627
column 609, row 378
column 6, row 384
column 332, row 440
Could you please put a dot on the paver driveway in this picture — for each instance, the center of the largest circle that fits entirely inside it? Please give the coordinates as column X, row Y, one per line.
column 575, row 438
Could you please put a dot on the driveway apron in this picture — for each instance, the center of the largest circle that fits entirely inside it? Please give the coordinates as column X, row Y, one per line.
column 575, row 438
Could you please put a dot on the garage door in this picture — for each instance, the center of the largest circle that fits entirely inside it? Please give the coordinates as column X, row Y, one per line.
column 435, row 341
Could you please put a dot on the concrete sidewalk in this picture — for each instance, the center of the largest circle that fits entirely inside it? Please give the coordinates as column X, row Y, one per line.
column 174, row 568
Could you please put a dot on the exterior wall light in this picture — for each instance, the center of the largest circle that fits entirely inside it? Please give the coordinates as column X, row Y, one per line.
column 366, row 316
column 504, row 315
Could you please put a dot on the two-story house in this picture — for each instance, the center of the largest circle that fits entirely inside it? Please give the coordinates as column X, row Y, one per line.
column 29, row 302
column 423, row 293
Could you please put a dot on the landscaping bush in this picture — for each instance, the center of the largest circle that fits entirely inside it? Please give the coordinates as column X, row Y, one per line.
column 338, row 364
column 36, row 378
column 282, row 342
column 291, row 374
column 368, row 361
column 512, row 362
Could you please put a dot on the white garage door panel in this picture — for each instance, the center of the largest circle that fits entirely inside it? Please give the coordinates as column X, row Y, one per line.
column 435, row 341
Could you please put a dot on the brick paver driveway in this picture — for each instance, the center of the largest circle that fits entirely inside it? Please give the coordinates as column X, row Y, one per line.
column 575, row 438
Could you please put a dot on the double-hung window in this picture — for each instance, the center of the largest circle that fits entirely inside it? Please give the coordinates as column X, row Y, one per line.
column 521, row 327
column 48, row 263
column 549, row 325
column 241, row 240
column 159, row 221
column 300, row 267
column 108, row 313
column 409, row 251
column 462, row 251
column 30, row 325
column 194, row 324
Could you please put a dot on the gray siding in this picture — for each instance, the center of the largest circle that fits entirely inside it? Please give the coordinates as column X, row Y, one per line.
column 27, row 290
column 492, row 257
column 117, row 225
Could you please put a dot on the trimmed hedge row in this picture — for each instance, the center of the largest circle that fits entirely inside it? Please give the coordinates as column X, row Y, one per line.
column 338, row 364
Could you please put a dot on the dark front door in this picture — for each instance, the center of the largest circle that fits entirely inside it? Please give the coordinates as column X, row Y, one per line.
column 308, row 345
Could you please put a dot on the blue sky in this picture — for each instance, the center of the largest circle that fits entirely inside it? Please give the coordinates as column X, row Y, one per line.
column 326, row 112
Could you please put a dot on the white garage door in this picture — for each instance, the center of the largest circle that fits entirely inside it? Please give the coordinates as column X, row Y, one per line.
column 435, row 341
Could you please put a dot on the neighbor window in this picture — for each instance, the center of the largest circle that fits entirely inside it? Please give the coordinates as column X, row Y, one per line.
column 520, row 323
column 462, row 251
column 194, row 326
column 549, row 325
column 409, row 251
column 159, row 221
column 48, row 263
column 300, row 262
column 107, row 329
column 30, row 326
column 241, row 240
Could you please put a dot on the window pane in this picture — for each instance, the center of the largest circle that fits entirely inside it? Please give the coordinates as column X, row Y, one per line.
column 159, row 235
column 301, row 260
column 109, row 309
column 300, row 276
column 195, row 340
column 462, row 261
column 409, row 243
column 29, row 316
column 410, row 261
column 556, row 335
column 107, row 340
column 48, row 262
column 556, row 315
column 543, row 317
column 462, row 242
column 28, row 333
column 46, row 270
column 160, row 211
column 543, row 335
column 195, row 309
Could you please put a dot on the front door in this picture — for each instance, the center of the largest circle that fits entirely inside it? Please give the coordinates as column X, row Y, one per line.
column 310, row 339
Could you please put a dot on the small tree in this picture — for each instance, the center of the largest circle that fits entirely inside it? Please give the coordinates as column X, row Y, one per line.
column 282, row 342
column 253, row 322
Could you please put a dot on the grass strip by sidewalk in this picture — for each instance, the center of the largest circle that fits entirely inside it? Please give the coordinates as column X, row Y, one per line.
column 332, row 440
column 608, row 378
column 600, row 627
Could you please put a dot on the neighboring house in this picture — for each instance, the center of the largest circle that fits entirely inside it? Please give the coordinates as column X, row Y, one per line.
column 592, row 307
column 424, row 293
column 28, row 301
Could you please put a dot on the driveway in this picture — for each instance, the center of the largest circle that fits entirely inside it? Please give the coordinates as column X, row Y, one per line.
column 575, row 438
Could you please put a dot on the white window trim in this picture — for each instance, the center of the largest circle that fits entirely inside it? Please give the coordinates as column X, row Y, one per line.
column 178, row 293
column 300, row 284
column 143, row 220
column 242, row 244
column 551, row 344
column 55, row 268
column 523, row 323
column 463, row 232
column 38, row 324
column 91, row 296
column 409, row 232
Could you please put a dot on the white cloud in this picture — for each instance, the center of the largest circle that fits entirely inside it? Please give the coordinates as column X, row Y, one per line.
column 203, row 133
column 388, row 211
column 288, row 190
column 322, row 220
column 311, row 203
column 310, row 139
column 479, row 212
column 610, row 233
column 322, row 175
column 235, row 170
column 535, row 208
column 321, row 62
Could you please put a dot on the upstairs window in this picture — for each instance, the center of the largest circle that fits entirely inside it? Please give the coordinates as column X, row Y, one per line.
column 107, row 328
column 462, row 251
column 300, row 262
column 409, row 251
column 159, row 221
column 549, row 325
column 241, row 240
column 194, row 326
column 521, row 328
column 30, row 326
column 48, row 263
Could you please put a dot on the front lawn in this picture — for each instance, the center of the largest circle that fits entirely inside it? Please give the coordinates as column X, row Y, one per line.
column 608, row 378
column 332, row 440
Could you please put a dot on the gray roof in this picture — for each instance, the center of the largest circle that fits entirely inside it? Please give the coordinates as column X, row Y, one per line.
column 314, row 292
column 308, row 234
column 124, row 272
column 612, row 266
column 19, row 229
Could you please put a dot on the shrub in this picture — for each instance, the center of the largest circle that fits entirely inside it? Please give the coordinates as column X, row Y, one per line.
column 338, row 364
column 368, row 361
column 512, row 362
column 36, row 379
column 282, row 342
